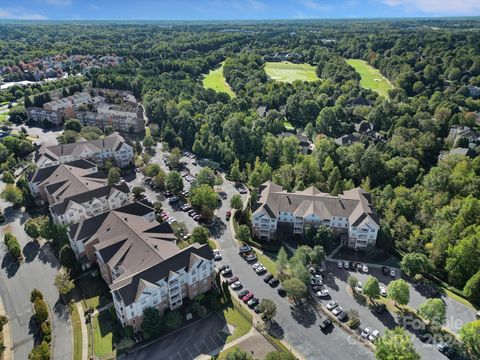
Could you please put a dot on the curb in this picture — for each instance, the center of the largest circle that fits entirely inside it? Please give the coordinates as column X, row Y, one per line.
column 7, row 336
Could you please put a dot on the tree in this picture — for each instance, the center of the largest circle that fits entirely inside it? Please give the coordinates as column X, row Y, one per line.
column 173, row 320
column 12, row 245
column 148, row 141
column 371, row 288
column 205, row 176
column 316, row 255
column 399, row 291
column 282, row 260
column 199, row 309
column 63, row 282
column 138, row 191
column 35, row 294
column 151, row 324
column 12, row 194
column 32, row 228
column 174, row 182
column 67, row 257
column 353, row 319
column 415, row 263
column 300, row 271
column 3, row 321
column 470, row 336
column 295, row 288
column 472, row 288
column 158, row 180
column 73, row 125
column 395, row 344
column 268, row 309
column 279, row 355
column 352, row 281
column 243, row 234
column 204, row 199
column 433, row 310
column 113, row 175
column 152, row 170
column 41, row 310
column 200, row 235
column 236, row 202
column 235, row 173
column 238, row 354
column 174, row 158
column 8, row 177
column 40, row 352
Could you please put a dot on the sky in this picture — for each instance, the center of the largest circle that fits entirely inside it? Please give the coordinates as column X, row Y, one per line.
column 232, row 9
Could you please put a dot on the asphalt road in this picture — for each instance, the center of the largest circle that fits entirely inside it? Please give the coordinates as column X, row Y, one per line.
column 38, row 270
column 336, row 282
column 203, row 337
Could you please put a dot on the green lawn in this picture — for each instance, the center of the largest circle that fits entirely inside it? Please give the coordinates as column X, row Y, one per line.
column 289, row 72
column 215, row 80
column 102, row 334
column 234, row 318
column 267, row 262
column 371, row 77
column 77, row 334
column 95, row 291
column 288, row 126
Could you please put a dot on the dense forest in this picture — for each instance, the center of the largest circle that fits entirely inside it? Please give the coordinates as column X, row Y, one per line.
column 426, row 205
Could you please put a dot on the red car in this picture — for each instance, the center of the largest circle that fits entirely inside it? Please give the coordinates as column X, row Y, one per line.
column 247, row 297
column 229, row 213
column 232, row 280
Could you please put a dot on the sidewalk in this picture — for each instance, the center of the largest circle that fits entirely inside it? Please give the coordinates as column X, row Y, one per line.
column 83, row 326
column 7, row 336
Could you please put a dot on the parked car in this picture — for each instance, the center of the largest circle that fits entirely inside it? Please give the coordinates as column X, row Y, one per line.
column 325, row 324
column 242, row 293
column 257, row 309
column 251, row 257
column 236, row 285
column 366, row 332
column 374, row 335
column 226, row 272
column 314, row 282
column 323, row 293
column 445, row 349
column 332, row 305
column 317, row 287
column 216, row 255
column 392, row 273
column 281, row 291
column 337, row 310
column 252, row 303
column 232, row 280
column 173, row 200
column 340, row 265
column 229, row 214
column 259, row 268
column 267, row 278
column 385, row 270
column 247, row 297
column 359, row 287
column 273, row 282
column 244, row 249
column 223, row 267
column 365, row 268
column 346, row 265
column 343, row 316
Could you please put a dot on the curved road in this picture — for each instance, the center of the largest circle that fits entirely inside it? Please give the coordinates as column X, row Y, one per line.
column 37, row 270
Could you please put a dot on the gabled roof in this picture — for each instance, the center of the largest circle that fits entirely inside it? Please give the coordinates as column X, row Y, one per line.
column 347, row 139
column 354, row 204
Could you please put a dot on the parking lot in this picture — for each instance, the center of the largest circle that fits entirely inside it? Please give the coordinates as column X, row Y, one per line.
column 203, row 337
column 335, row 281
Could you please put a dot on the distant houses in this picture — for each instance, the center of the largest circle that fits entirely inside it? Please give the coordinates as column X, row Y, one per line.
column 459, row 133
column 284, row 56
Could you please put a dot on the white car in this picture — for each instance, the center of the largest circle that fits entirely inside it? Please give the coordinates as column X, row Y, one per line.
column 217, row 256
column 366, row 332
column 251, row 257
column 365, row 268
column 323, row 293
column 337, row 310
column 259, row 268
column 383, row 292
column 236, row 285
column 340, row 265
column 392, row 273
column 332, row 305
column 375, row 334
column 359, row 287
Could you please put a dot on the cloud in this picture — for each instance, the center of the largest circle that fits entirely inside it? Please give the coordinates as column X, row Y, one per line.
column 20, row 15
column 316, row 6
column 444, row 7
column 93, row 7
column 59, row 2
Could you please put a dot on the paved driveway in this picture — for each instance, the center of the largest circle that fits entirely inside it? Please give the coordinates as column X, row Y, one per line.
column 203, row 337
column 336, row 282
column 38, row 270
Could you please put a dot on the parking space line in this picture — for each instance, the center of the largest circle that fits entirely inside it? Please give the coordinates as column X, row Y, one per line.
column 189, row 353
column 197, row 348
column 181, row 357
column 214, row 343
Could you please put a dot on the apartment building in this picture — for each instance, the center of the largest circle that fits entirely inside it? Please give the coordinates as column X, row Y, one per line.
column 90, row 203
column 55, row 183
column 111, row 148
column 40, row 114
column 351, row 214
column 140, row 261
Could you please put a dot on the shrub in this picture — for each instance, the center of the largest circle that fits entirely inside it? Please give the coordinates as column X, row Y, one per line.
column 35, row 294
column 173, row 320
column 40, row 352
column 46, row 331
column 12, row 245
column 41, row 310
